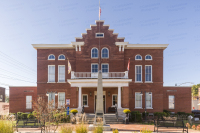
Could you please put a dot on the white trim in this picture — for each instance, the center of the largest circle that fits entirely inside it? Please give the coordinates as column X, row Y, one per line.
column 83, row 34
column 102, row 54
column 82, row 100
column 106, row 25
column 120, row 37
column 138, row 55
column 151, row 101
column 54, row 72
column 136, row 74
column 60, row 55
column 52, row 46
column 99, row 36
column 138, row 108
column 99, row 21
column 121, row 43
column 97, row 68
column 135, row 101
column 168, row 101
column 111, row 29
column 53, row 55
column 97, row 53
column 58, row 74
column 30, row 101
column 151, row 74
column 148, row 55
column 92, row 25
column 88, row 29
column 61, row 82
column 146, row 46
column 117, row 100
column 78, row 37
column 58, row 99
column 115, row 33
column 104, row 64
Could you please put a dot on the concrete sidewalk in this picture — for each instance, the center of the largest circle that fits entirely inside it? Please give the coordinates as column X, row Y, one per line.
column 123, row 128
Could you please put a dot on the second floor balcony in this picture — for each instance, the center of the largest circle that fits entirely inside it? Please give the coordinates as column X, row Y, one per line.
column 90, row 75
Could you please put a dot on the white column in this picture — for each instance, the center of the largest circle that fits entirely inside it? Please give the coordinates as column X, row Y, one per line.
column 123, row 48
column 79, row 47
column 76, row 48
column 119, row 97
column 119, row 47
column 79, row 97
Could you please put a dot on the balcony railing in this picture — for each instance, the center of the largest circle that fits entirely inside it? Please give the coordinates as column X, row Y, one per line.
column 89, row 75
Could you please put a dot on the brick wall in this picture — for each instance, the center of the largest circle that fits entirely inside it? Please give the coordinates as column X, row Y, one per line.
column 17, row 98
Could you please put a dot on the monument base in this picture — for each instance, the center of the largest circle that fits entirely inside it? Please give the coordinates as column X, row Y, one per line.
column 91, row 127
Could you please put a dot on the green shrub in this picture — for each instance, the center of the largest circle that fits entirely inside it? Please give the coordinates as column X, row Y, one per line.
column 126, row 111
column 167, row 113
column 66, row 129
column 6, row 126
column 115, row 131
column 30, row 116
column 135, row 116
column 98, row 129
column 24, row 115
column 159, row 115
column 81, row 128
column 143, row 114
column 19, row 115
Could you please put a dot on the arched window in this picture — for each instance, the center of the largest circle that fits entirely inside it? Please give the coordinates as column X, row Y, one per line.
column 104, row 53
column 138, row 57
column 148, row 57
column 94, row 53
column 51, row 57
column 61, row 57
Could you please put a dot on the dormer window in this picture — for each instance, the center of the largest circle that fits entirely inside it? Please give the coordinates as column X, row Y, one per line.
column 148, row 57
column 51, row 57
column 99, row 35
column 138, row 57
column 61, row 57
column 94, row 53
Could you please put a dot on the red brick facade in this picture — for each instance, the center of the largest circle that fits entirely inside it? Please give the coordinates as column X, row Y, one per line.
column 80, row 59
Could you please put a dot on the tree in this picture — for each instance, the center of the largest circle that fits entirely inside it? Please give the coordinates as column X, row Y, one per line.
column 194, row 89
column 48, row 114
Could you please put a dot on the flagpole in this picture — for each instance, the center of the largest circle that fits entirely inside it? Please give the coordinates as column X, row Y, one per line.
column 99, row 32
column 99, row 11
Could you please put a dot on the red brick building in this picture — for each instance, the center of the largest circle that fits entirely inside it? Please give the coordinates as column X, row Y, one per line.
column 101, row 48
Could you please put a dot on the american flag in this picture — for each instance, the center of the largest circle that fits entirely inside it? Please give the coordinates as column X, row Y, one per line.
column 128, row 64
column 99, row 12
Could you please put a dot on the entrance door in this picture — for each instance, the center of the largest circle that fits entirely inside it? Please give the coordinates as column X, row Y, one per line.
column 103, row 103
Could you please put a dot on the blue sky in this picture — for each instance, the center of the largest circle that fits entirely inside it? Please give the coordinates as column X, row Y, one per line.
column 173, row 22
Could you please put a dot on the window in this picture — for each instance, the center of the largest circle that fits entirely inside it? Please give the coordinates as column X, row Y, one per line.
column 51, row 57
column 148, row 73
column 148, row 57
column 51, row 73
column 138, row 73
column 61, row 57
column 104, row 53
column 138, row 57
column 28, row 102
column 148, row 99
column 61, row 99
column 51, row 98
column 85, row 100
column 114, row 99
column 138, row 100
column 94, row 53
column 171, row 102
column 61, row 73
column 104, row 68
column 99, row 35
column 94, row 68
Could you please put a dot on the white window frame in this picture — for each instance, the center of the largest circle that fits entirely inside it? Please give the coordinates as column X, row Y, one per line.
column 58, row 99
column 54, row 75
column 148, row 59
column 60, row 55
column 151, row 100
column 136, row 74
column 135, row 100
column 30, row 101
column 98, row 36
column 97, row 53
column 102, row 53
column 151, row 74
column 53, row 55
column 87, row 100
column 112, row 99
column 102, row 67
column 137, row 55
column 59, row 75
column 174, row 101
column 94, row 64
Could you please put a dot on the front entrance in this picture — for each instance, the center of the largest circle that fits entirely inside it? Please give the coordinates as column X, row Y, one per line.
column 103, row 103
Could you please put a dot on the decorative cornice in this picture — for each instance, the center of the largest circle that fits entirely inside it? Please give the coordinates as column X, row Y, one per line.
column 146, row 46
column 52, row 46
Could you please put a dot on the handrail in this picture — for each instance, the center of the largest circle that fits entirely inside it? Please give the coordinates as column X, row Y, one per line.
column 116, row 113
